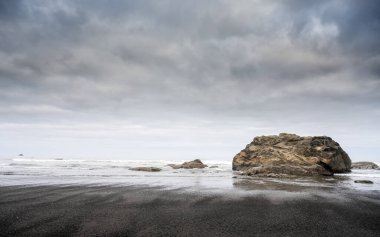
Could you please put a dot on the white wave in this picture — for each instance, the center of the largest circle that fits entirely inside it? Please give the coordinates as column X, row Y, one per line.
column 363, row 173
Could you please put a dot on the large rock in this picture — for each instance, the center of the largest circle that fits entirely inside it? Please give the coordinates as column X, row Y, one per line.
column 291, row 154
column 364, row 165
column 195, row 164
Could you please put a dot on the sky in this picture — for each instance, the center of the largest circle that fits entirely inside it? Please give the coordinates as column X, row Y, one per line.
column 169, row 79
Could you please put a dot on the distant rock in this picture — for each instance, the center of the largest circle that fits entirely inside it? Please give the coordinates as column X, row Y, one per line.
column 195, row 164
column 364, row 165
column 364, row 181
column 147, row 169
column 290, row 154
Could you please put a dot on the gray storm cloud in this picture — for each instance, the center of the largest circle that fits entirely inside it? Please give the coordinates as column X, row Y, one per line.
column 193, row 76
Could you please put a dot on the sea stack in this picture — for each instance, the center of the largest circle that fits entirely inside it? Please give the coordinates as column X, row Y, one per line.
column 290, row 154
column 195, row 164
column 364, row 165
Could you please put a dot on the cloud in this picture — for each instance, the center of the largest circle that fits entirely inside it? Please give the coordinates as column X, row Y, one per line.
column 303, row 66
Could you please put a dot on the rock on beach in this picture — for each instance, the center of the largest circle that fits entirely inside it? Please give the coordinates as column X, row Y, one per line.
column 195, row 164
column 290, row 154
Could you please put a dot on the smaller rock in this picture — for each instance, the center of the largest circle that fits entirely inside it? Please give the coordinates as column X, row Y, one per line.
column 364, row 165
column 213, row 166
column 147, row 169
column 364, row 181
column 195, row 164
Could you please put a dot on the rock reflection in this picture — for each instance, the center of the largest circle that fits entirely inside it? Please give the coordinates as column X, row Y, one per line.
column 291, row 184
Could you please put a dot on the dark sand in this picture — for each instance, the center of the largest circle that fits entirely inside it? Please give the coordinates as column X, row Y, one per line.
column 139, row 211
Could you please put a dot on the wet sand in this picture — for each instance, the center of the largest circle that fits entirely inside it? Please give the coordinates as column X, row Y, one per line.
column 147, row 211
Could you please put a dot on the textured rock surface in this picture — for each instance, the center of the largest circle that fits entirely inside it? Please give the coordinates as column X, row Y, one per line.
column 365, row 165
column 147, row 169
column 195, row 164
column 291, row 154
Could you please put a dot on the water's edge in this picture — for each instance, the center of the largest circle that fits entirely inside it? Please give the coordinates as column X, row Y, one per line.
column 218, row 176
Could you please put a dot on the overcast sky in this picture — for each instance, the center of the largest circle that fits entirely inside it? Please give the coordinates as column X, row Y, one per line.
column 174, row 79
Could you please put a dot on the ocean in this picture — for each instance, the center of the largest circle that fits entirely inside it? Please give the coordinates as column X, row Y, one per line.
column 217, row 177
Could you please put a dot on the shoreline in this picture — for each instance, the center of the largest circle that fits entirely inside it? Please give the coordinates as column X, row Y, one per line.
column 80, row 210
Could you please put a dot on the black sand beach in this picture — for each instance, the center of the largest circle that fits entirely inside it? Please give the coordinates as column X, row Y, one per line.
column 147, row 211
